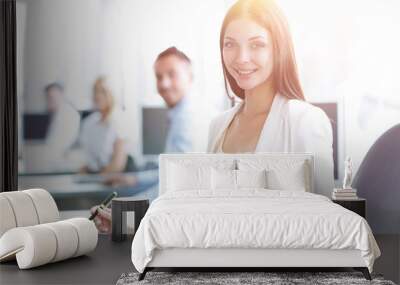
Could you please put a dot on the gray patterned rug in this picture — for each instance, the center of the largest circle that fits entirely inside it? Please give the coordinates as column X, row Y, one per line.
column 228, row 278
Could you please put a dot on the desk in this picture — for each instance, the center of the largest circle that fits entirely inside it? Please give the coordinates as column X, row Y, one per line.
column 102, row 266
column 70, row 194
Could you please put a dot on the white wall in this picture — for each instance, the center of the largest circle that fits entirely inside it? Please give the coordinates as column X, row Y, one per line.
column 62, row 44
column 347, row 53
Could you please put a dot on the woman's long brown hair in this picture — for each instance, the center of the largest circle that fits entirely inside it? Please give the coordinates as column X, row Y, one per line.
column 267, row 14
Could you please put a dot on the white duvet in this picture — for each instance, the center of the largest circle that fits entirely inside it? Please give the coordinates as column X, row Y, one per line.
column 251, row 218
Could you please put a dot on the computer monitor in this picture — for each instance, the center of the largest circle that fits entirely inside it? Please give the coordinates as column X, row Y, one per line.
column 85, row 113
column 36, row 125
column 154, row 130
column 330, row 110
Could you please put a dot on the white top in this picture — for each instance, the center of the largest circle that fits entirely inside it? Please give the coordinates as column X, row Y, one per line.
column 98, row 138
column 291, row 126
column 221, row 142
column 63, row 131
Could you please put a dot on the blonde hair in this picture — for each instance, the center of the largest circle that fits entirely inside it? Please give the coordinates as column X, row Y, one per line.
column 100, row 85
column 267, row 14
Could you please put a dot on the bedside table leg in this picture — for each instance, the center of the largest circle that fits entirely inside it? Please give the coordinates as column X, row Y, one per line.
column 142, row 275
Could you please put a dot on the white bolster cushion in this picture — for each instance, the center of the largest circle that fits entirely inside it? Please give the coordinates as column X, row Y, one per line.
column 23, row 208
column 87, row 235
column 45, row 205
column 26, row 208
column 40, row 244
column 35, row 246
column 66, row 238
column 7, row 219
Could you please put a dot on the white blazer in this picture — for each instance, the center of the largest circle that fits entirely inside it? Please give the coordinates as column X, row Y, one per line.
column 291, row 126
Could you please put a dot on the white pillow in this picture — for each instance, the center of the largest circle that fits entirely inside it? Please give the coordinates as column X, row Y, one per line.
column 223, row 179
column 188, row 177
column 293, row 179
column 282, row 174
column 251, row 178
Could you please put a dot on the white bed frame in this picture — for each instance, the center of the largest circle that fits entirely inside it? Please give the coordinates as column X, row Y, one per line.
column 246, row 257
column 250, row 257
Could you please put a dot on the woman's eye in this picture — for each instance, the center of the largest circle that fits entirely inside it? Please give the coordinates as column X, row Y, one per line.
column 228, row 44
column 257, row 45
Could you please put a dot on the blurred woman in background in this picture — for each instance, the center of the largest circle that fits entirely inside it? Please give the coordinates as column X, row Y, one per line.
column 102, row 136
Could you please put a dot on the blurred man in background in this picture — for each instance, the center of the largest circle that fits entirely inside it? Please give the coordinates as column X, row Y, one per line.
column 173, row 71
column 64, row 124
column 174, row 75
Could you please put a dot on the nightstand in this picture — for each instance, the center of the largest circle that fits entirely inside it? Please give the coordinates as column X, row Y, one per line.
column 358, row 205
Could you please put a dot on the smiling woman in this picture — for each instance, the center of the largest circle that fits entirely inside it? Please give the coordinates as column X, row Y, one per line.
column 257, row 32
column 260, row 68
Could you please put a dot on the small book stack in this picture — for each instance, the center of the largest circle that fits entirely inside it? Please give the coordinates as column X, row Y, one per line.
column 344, row 194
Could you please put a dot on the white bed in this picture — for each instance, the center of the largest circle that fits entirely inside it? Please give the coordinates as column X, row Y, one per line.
column 198, row 223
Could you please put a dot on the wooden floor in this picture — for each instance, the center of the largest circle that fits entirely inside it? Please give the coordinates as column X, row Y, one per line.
column 102, row 266
column 110, row 260
column 389, row 262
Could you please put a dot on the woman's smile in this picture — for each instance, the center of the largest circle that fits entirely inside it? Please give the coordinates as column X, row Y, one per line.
column 244, row 74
